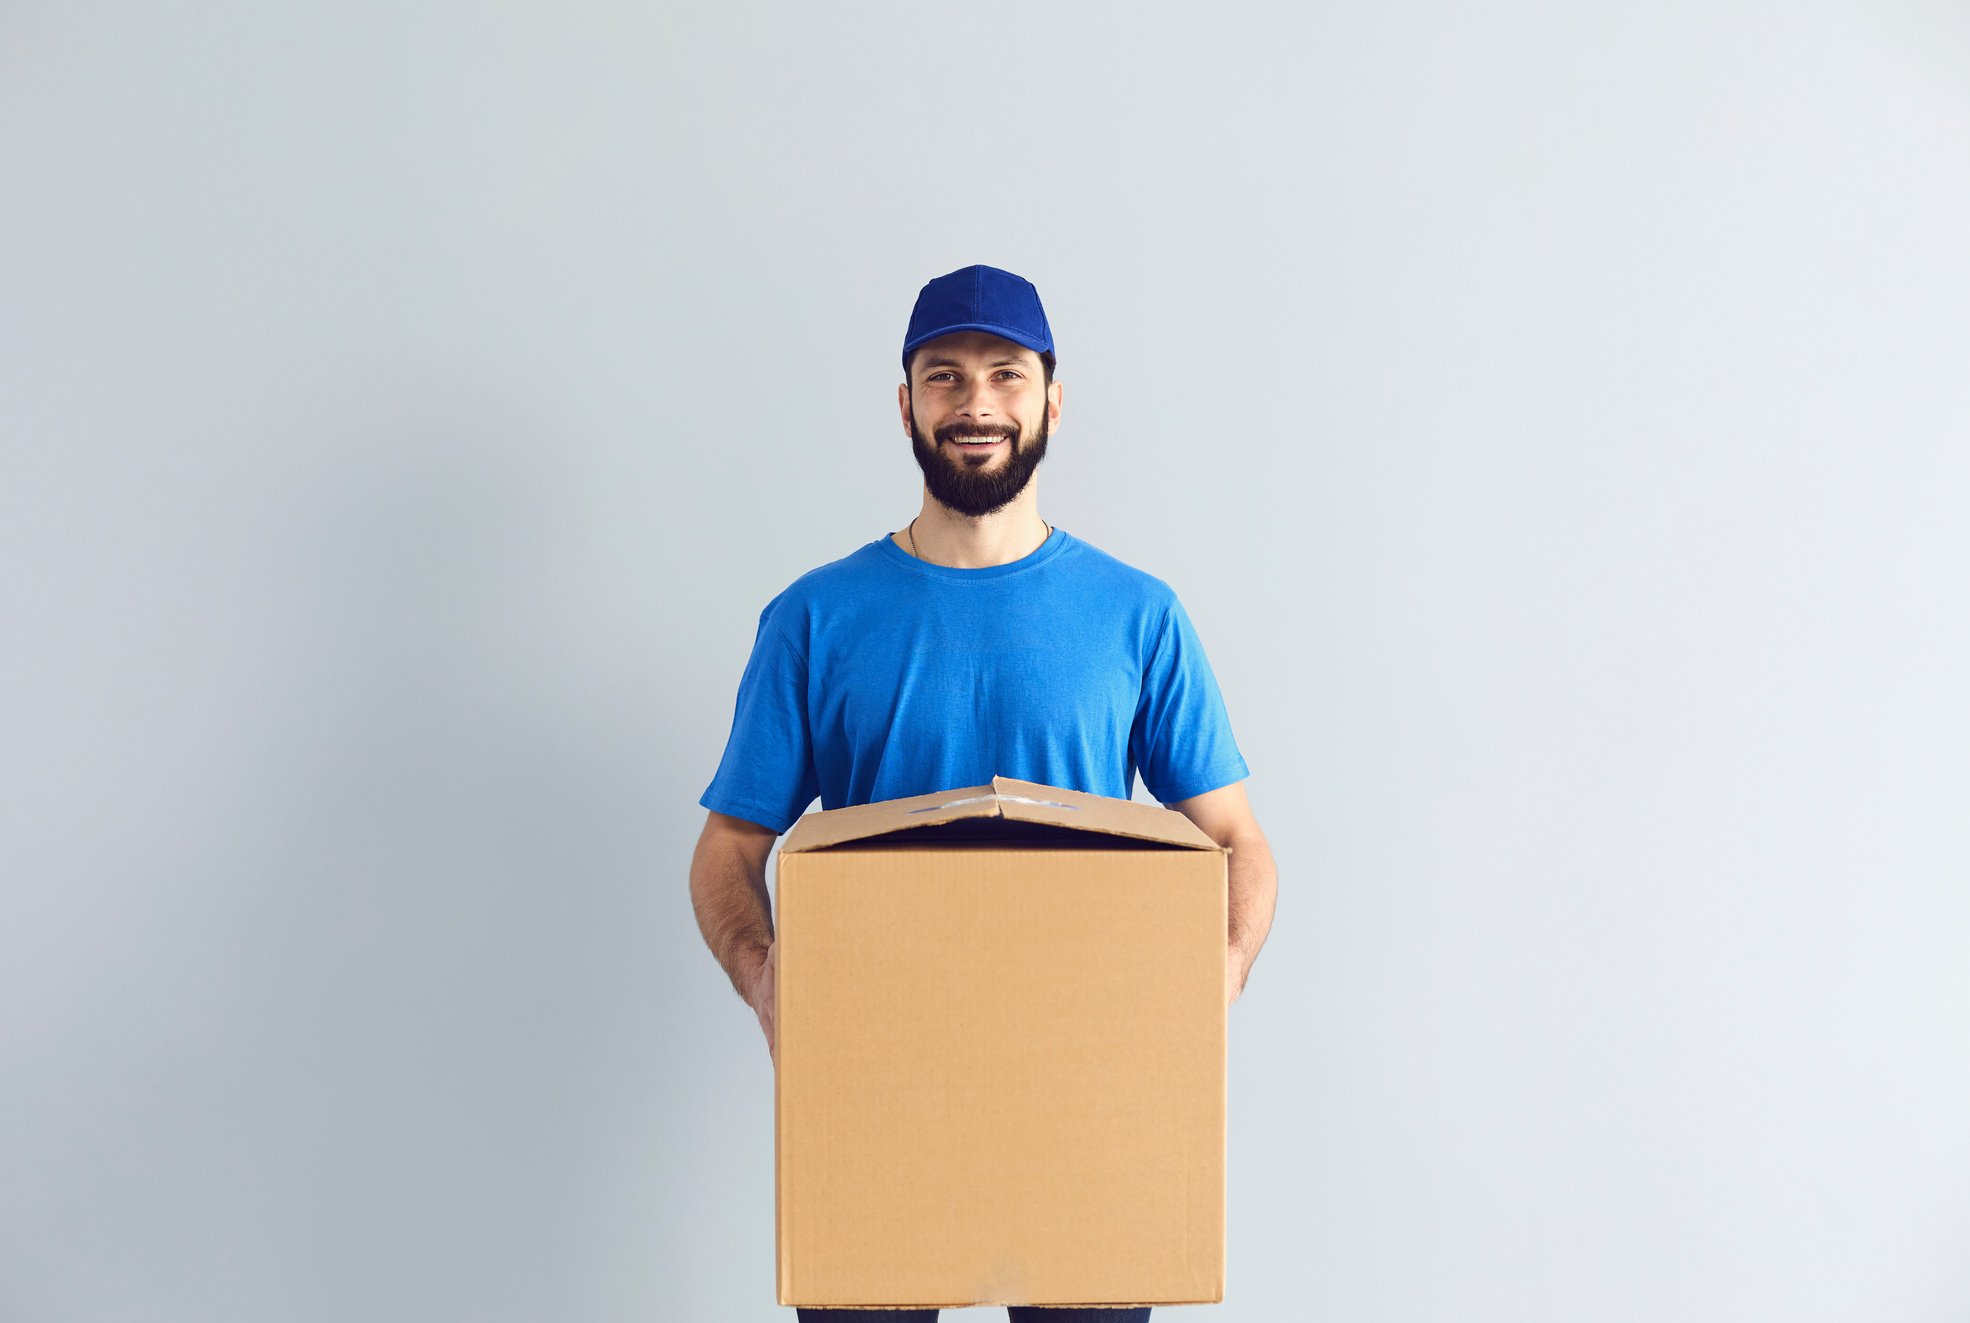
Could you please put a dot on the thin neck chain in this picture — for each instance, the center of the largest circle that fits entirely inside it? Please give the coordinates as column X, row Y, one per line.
column 918, row 555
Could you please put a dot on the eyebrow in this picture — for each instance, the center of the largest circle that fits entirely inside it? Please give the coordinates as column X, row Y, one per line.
column 929, row 363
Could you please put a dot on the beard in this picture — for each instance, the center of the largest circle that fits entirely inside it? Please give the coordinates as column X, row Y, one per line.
column 970, row 488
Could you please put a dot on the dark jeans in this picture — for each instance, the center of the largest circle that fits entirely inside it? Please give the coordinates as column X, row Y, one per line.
column 1014, row 1313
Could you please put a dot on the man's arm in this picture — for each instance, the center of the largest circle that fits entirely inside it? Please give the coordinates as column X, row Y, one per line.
column 1225, row 815
column 735, row 910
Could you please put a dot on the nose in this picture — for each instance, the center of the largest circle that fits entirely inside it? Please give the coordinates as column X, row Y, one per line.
column 977, row 401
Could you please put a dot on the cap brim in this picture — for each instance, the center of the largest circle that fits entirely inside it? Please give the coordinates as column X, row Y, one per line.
column 1003, row 332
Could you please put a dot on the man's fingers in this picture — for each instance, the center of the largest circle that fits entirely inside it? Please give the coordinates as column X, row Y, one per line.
column 768, row 980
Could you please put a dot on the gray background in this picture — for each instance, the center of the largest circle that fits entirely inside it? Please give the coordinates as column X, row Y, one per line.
column 1553, row 417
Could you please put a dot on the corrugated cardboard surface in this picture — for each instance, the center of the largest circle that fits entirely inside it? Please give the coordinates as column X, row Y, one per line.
column 1001, row 1073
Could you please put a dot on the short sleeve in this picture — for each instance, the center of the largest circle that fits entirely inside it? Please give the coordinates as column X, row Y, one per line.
column 767, row 773
column 1181, row 740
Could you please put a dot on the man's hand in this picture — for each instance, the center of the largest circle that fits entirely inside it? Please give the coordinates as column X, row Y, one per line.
column 759, row 995
column 1251, row 879
column 735, row 911
column 1236, row 966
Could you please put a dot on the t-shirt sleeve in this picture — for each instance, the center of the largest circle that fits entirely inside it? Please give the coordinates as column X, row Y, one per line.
column 767, row 773
column 1181, row 739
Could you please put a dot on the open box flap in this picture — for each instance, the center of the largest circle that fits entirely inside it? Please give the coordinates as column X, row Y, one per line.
column 1018, row 801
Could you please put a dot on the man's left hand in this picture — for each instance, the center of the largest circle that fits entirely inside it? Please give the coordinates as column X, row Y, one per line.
column 1236, row 967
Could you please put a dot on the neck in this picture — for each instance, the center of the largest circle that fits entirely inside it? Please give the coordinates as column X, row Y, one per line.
column 944, row 537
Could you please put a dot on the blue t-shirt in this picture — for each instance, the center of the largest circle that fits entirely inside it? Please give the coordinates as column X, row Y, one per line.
column 880, row 676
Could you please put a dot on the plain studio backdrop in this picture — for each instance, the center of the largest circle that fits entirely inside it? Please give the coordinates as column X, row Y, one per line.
column 1553, row 416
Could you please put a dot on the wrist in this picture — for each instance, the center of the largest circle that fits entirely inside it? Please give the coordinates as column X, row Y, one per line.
column 747, row 966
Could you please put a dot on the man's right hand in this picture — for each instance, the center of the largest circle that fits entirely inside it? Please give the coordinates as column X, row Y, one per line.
column 759, row 995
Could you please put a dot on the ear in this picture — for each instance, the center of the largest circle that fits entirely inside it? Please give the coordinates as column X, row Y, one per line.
column 903, row 405
column 1054, row 394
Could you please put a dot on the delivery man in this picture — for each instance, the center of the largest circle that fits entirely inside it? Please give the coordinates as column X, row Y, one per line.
column 978, row 640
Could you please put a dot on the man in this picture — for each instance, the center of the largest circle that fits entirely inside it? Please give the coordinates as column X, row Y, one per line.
column 978, row 640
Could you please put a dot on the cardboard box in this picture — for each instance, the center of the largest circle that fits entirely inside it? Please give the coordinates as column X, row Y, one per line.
column 1001, row 1053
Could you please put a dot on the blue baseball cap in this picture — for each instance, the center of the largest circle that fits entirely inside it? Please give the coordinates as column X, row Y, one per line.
column 978, row 298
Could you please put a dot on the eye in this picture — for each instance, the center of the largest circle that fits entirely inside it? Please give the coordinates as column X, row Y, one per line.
column 935, row 375
column 1008, row 372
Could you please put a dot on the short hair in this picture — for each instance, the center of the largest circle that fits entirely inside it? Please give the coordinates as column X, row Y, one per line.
column 1046, row 367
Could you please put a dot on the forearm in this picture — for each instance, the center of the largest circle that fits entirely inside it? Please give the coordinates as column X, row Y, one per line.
column 734, row 910
column 1253, row 883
